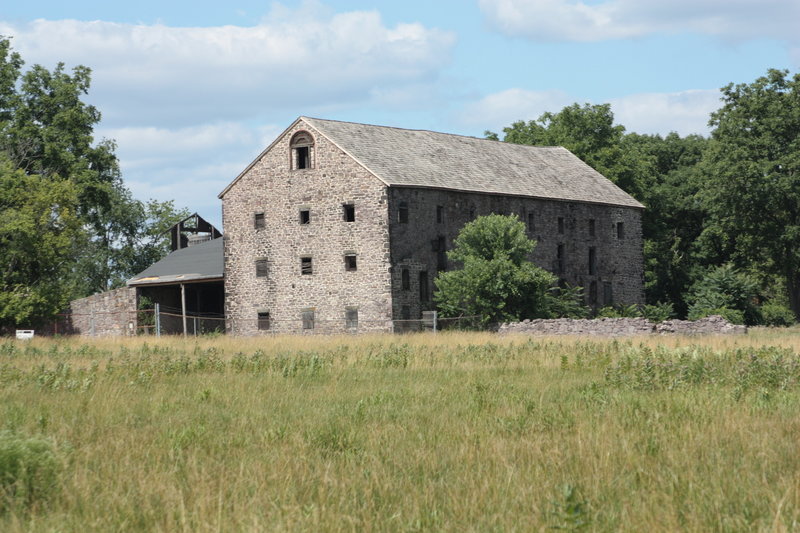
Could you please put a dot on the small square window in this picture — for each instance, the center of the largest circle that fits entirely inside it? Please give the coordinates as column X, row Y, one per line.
column 350, row 264
column 349, row 212
column 620, row 230
column 308, row 319
column 560, row 260
column 591, row 227
column 402, row 213
column 439, row 214
column 531, row 222
column 258, row 221
column 305, row 266
column 263, row 321
column 592, row 261
column 305, row 216
column 351, row 318
column 561, row 224
column 262, row 268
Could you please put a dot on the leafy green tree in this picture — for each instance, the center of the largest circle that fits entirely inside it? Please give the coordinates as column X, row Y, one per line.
column 674, row 216
column 38, row 228
column 46, row 140
column 496, row 282
column 752, row 179
column 725, row 291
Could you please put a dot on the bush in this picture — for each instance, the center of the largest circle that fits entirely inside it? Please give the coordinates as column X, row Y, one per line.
column 725, row 291
column 28, row 470
column 566, row 302
column 734, row 316
column 775, row 314
column 658, row 312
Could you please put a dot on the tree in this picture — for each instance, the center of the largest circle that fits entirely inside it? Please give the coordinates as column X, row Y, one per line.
column 752, row 184
column 46, row 141
column 496, row 282
column 38, row 228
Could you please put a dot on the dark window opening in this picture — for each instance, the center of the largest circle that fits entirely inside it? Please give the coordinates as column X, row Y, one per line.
column 262, row 268
column 300, row 146
column 349, row 212
column 608, row 293
column 305, row 266
column 305, row 216
column 263, row 321
column 405, row 280
column 620, row 230
column 531, row 223
column 439, row 214
column 258, row 221
column 593, row 293
column 560, row 258
column 591, row 227
column 592, row 261
column 350, row 264
column 441, row 253
column 351, row 318
column 424, row 293
column 402, row 213
column 561, row 224
column 308, row 319
column 303, row 160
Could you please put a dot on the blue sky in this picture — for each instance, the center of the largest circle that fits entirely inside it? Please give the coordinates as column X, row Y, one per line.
column 193, row 91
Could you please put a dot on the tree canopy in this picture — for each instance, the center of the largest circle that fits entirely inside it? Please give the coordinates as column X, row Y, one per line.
column 69, row 227
column 496, row 280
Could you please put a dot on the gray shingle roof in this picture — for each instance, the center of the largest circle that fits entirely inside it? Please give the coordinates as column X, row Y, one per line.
column 204, row 261
column 420, row 158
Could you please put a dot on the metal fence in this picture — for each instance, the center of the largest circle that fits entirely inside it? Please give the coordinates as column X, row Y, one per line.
column 165, row 320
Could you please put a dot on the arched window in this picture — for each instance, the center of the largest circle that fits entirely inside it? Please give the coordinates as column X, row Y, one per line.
column 301, row 147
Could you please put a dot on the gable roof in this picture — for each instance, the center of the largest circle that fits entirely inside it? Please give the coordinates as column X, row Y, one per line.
column 204, row 261
column 420, row 158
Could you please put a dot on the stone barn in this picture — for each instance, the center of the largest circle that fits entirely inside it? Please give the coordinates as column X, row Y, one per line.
column 340, row 226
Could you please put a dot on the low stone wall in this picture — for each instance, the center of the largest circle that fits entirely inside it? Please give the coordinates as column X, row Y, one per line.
column 104, row 314
column 618, row 327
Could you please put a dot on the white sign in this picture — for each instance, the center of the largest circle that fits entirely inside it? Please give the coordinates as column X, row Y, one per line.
column 24, row 334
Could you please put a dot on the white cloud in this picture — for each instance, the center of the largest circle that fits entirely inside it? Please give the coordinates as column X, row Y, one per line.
column 684, row 112
column 292, row 59
column 571, row 20
column 499, row 110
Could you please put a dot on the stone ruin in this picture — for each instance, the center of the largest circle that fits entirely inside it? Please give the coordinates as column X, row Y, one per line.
column 620, row 327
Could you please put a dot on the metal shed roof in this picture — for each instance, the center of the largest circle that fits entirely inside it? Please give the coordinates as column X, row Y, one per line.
column 201, row 262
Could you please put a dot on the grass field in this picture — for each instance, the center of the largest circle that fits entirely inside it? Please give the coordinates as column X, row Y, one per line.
column 447, row 432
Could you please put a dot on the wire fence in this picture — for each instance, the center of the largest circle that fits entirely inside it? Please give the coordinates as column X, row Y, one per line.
column 166, row 320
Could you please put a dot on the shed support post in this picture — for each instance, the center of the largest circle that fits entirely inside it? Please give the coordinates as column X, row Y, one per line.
column 183, row 307
column 158, row 320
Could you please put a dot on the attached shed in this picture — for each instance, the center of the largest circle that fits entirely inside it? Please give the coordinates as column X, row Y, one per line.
column 188, row 287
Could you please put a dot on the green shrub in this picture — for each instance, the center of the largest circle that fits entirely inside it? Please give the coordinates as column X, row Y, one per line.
column 29, row 470
column 775, row 314
column 658, row 312
column 734, row 316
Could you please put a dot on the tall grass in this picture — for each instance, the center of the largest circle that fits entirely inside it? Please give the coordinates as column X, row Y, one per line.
column 452, row 432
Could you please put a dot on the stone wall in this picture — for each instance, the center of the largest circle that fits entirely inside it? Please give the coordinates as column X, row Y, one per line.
column 616, row 327
column 617, row 276
column 106, row 313
column 272, row 187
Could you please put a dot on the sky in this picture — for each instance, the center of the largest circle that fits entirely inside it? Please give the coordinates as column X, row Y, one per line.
column 193, row 91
